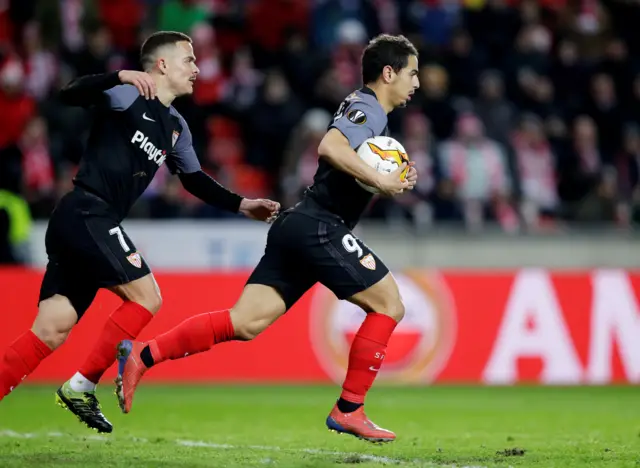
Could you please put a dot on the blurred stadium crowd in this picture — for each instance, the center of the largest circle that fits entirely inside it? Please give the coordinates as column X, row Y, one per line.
column 528, row 113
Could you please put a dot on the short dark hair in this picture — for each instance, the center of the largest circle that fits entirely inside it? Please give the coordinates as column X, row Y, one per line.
column 384, row 50
column 157, row 40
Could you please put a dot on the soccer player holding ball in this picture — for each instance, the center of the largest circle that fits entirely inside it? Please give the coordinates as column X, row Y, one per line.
column 313, row 242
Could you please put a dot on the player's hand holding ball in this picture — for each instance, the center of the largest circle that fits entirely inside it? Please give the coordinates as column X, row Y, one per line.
column 387, row 156
column 412, row 176
column 393, row 183
column 260, row 209
column 141, row 80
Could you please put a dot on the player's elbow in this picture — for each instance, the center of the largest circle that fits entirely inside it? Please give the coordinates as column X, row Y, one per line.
column 68, row 95
column 65, row 95
column 187, row 182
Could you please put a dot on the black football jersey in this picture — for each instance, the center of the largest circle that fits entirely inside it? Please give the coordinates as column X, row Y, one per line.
column 130, row 138
column 335, row 194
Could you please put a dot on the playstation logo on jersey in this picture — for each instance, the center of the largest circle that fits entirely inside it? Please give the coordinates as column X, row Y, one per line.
column 155, row 154
column 357, row 117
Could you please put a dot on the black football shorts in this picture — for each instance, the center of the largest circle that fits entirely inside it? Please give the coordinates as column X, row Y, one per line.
column 302, row 250
column 87, row 250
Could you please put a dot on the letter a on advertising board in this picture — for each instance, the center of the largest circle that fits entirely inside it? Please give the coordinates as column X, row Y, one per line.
column 533, row 301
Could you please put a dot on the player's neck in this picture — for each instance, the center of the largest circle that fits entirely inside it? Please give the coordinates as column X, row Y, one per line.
column 381, row 96
column 165, row 96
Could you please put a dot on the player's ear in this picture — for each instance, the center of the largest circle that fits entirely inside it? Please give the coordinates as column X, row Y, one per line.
column 387, row 74
column 161, row 64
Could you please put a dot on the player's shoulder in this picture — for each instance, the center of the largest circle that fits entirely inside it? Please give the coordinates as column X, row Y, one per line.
column 173, row 111
column 122, row 96
column 127, row 88
column 364, row 109
column 364, row 95
column 362, row 98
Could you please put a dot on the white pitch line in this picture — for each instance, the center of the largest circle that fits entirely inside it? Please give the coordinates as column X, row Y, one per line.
column 361, row 456
column 269, row 448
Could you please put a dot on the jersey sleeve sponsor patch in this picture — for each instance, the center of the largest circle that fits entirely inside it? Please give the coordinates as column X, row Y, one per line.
column 359, row 120
column 357, row 116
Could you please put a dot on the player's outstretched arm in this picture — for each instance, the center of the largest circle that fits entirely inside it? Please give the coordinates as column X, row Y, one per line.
column 335, row 148
column 200, row 185
column 184, row 162
column 89, row 90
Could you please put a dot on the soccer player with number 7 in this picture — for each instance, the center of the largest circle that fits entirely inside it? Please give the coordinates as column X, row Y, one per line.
column 136, row 129
column 312, row 242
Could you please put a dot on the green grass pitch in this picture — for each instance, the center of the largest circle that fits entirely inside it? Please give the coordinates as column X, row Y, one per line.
column 242, row 426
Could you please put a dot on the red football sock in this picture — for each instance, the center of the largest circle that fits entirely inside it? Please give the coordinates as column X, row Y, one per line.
column 194, row 335
column 126, row 322
column 367, row 353
column 20, row 360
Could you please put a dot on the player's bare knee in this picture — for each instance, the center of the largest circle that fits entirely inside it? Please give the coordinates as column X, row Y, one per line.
column 152, row 302
column 395, row 310
column 389, row 301
column 56, row 317
column 50, row 333
column 156, row 304
column 249, row 330
column 248, row 326
column 258, row 307
column 143, row 291
column 52, row 329
column 382, row 298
